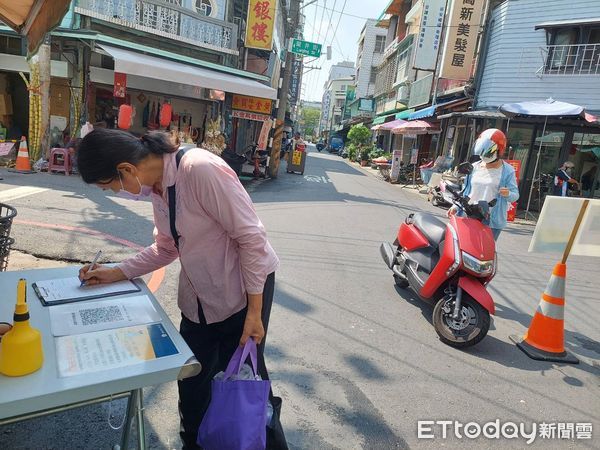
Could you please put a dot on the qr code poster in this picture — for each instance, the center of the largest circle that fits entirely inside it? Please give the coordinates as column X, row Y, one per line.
column 556, row 222
column 76, row 318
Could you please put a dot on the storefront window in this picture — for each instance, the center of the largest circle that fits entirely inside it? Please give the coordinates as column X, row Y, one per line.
column 585, row 154
column 519, row 140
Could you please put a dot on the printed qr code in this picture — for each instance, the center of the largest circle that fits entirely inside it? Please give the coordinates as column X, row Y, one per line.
column 104, row 314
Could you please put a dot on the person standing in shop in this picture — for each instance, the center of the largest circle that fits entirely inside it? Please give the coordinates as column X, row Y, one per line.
column 563, row 178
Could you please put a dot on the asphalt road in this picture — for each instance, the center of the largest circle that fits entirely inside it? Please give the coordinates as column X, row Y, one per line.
column 356, row 360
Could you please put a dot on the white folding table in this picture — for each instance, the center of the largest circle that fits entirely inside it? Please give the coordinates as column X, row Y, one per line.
column 44, row 392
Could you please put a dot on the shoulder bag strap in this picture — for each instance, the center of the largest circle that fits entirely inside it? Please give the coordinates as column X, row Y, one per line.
column 173, row 201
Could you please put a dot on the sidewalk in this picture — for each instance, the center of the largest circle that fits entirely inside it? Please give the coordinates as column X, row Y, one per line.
column 421, row 191
column 22, row 261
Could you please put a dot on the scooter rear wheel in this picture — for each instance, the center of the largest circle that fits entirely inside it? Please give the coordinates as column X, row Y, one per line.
column 472, row 326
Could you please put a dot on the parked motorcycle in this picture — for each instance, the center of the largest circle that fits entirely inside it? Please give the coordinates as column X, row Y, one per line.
column 449, row 265
column 320, row 146
column 440, row 196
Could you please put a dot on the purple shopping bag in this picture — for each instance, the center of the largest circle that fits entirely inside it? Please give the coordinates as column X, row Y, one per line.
column 236, row 418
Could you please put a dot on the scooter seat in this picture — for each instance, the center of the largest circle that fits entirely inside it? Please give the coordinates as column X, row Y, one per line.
column 431, row 227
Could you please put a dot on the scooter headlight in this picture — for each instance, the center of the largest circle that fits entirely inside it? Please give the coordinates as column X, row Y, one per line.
column 483, row 268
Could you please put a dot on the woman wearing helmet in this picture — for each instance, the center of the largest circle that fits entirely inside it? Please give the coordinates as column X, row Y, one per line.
column 492, row 178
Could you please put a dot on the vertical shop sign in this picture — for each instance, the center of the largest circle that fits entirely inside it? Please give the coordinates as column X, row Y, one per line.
column 512, row 210
column 120, row 85
column 260, row 24
column 461, row 39
column 430, row 34
column 263, row 138
column 295, row 80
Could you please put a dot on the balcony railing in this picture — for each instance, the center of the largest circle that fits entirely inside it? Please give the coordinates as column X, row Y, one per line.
column 164, row 18
column 580, row 59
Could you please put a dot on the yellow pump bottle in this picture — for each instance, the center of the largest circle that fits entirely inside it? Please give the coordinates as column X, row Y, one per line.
column 21, row 350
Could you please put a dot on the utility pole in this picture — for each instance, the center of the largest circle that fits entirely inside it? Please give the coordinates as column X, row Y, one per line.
column 284, row 86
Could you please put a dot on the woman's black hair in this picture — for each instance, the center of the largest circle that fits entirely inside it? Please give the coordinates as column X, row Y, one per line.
column 102, row 150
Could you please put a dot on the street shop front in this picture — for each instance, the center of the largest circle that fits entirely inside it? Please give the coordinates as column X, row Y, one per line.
column 572, row 140
column 193, row 95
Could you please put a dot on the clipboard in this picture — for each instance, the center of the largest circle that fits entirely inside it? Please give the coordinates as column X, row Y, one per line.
column 67, row 290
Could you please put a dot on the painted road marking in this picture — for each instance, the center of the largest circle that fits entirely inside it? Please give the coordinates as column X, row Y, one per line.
column 20, row 192
column 317, row 179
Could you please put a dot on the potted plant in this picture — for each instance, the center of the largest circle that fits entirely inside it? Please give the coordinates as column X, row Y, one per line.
column 360, row 137
column 364, row 156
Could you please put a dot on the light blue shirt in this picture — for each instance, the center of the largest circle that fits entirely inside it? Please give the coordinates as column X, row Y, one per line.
column 508, row 180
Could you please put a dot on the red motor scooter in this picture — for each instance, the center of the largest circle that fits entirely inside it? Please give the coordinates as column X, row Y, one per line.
column 449, row 265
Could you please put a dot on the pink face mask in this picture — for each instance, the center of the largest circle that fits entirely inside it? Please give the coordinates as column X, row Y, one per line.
column 145, row 191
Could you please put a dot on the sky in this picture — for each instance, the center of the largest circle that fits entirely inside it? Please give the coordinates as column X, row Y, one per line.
column 320, row 26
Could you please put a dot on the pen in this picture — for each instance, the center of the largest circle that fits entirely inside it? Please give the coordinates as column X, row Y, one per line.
column 92, row 265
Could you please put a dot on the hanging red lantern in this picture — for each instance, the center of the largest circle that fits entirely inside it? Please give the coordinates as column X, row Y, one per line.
column 125, row 113
column 166, row 112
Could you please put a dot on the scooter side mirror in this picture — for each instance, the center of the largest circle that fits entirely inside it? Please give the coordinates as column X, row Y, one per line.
column 465, row 168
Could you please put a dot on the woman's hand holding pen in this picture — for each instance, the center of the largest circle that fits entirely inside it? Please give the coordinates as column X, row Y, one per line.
column 100, row 274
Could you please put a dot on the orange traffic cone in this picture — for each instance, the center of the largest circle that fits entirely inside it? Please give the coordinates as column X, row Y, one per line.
column 23, row 164
column 545, row 338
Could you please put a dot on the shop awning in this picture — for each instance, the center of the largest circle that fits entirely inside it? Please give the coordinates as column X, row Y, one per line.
column 430, row 111
column 134, row 63
column 33, row 18
column 405, row 114
column 474, row 115
column 381, row 119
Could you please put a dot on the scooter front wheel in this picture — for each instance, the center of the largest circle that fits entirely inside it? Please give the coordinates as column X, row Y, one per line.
column 471, row 326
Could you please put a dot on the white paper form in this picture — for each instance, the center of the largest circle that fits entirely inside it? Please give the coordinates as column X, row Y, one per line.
column 61, row 289
column 78, row 318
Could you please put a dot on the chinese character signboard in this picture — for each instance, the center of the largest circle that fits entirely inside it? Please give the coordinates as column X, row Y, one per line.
column 461, row 38
column 263, row 138
column 295, row 80
column 260, row 24
column 306, row 48
column 249, row 116
column 254, row 104
column 350, row 96
column 430, row 34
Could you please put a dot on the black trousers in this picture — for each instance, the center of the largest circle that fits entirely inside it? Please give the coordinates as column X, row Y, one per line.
column 213, row 345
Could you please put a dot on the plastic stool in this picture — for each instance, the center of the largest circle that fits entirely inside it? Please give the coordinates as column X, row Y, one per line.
column 59, row 161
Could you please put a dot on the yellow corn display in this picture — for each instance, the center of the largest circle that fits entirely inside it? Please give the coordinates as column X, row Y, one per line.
column 35, row 110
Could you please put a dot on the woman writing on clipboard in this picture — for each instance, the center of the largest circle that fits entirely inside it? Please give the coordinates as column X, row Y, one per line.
column 227, row 264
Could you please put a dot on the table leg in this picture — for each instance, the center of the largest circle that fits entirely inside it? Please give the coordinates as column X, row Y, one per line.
column 139, row 399
column 131, row 403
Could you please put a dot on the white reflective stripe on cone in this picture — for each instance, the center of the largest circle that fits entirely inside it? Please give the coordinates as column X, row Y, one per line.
column 551, row 310
column 555, row 287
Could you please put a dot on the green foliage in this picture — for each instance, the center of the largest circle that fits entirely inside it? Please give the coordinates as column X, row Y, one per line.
column 310, row 119
column 376, row 153
column 359, row 135
column 352, row 152
column 365, row 152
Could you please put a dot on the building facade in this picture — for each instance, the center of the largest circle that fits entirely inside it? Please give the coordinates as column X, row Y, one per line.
column 190, row 54
column 539, row 50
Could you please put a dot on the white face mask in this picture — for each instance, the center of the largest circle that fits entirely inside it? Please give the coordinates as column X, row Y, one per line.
column 490, row 159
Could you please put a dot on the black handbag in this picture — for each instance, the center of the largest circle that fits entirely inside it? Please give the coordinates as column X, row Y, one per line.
column 275, row 435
